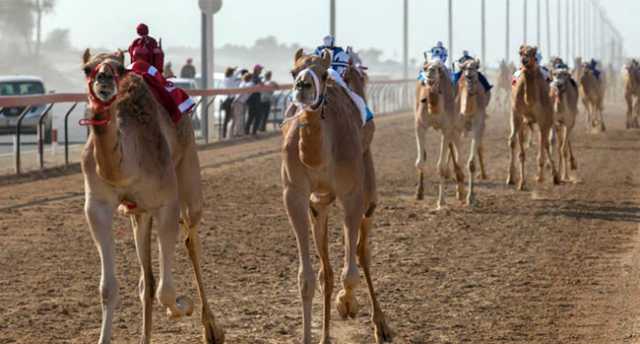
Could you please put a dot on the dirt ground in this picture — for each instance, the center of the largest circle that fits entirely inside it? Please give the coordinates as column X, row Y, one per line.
column 551, row 265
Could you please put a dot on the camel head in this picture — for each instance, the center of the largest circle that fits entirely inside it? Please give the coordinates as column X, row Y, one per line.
column 561, row 81
column 434, row 70
column 103, row 71
column 310, row 75
column 470, row 70
column 528, row 57
column 470, row 87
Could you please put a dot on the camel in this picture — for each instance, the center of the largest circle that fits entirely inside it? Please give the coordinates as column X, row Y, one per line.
column 592, row 94
column 326, row 157
column 138, row 162
column 564, row 96
column 436, row 108
column 505, row 76
column 530, row 104
column 473, row 100
column 631, row 75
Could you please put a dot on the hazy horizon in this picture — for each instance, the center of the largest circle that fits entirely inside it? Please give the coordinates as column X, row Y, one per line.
column 241, row 22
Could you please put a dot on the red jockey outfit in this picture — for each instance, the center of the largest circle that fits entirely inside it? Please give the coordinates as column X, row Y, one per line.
column 147, row 59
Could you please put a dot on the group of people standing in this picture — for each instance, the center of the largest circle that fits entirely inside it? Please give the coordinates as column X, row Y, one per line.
column 246, row 113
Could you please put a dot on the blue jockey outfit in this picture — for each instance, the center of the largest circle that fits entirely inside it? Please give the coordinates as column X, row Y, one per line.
column 340, row 60
column 439, row 52
column 456, row 76
column 593, row 66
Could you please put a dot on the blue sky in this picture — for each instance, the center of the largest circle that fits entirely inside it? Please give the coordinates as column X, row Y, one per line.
column 362, row 23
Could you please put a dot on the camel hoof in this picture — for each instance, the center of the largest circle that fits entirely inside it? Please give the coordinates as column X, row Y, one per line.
column 471, row 202
column 212, row 334
column 383, row 333
column 510, row 181
column 522, row 187
column 556, row 180
column 483, row 176
column 325, row 340
column 347, row 305
column 184, row 306
column 420, row 195
column 540, row 179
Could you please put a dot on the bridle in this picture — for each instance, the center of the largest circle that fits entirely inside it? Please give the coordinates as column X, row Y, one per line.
column 320, row 98
column 97, row 105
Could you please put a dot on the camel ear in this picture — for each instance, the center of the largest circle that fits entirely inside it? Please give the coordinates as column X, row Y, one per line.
column 120, row 56
column 522, row 49
column 86, row 56
column 298, row 54
column 477, row 62
column 325, row 58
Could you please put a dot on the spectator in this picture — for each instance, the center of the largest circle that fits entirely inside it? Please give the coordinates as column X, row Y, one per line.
column 188, row 71
column 230, row 81
column 254, row 104
column 266, row 98
column 168, row 71
column 239, row 105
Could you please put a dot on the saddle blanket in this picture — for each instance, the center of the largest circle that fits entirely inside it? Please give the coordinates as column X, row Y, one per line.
column 366, row 114
column 175, row 100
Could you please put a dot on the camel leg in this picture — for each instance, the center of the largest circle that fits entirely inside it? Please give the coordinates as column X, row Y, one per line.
column 565, row 154
column 141, row 224
column 603, row 127
column 515, row 130
column 545, row 154
column 471, row 167
column 191, row 213
column 629, row 99
column 319, row 215
column 382, row 330
column 442, row 170
column 297, row 205
column 346, row 302
column 521, row 157
column 99, row 216
column 480, row 151
column 421, row 161
column 454, row 156
column 167, row 217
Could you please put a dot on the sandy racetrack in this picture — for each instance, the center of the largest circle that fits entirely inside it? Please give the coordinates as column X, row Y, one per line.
column 551, row 265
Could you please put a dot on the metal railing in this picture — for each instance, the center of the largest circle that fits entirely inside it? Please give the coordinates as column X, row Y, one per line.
column 383, row 96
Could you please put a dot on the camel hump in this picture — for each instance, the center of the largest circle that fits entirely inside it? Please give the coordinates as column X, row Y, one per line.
column 135, row 98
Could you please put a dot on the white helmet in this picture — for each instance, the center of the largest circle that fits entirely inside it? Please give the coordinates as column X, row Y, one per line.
column 329, row 41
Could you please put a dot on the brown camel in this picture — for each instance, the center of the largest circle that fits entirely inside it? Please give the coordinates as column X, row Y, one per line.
column 139, row 162
column 436, row 108
column 592, row 94
column 473, row 100
column 564, row 96
column 530, row 104
column 503, row 86
column 325, row 158
column 631, row 91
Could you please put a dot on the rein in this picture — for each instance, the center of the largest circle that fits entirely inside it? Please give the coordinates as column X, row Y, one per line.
column 98, row 106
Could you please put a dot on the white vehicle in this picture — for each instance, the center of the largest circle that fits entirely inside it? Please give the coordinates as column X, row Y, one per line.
column 21, row 86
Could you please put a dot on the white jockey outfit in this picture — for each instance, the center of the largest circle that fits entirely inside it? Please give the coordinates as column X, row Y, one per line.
column 340, row 60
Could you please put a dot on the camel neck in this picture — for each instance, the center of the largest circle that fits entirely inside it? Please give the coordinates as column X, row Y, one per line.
column 107, row 150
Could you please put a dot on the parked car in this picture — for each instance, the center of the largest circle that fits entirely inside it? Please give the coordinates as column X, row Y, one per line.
column 20, row 86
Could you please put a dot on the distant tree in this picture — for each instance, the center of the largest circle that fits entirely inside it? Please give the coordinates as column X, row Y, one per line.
column 41, row 7
column 16, row 19
column 58, row 40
